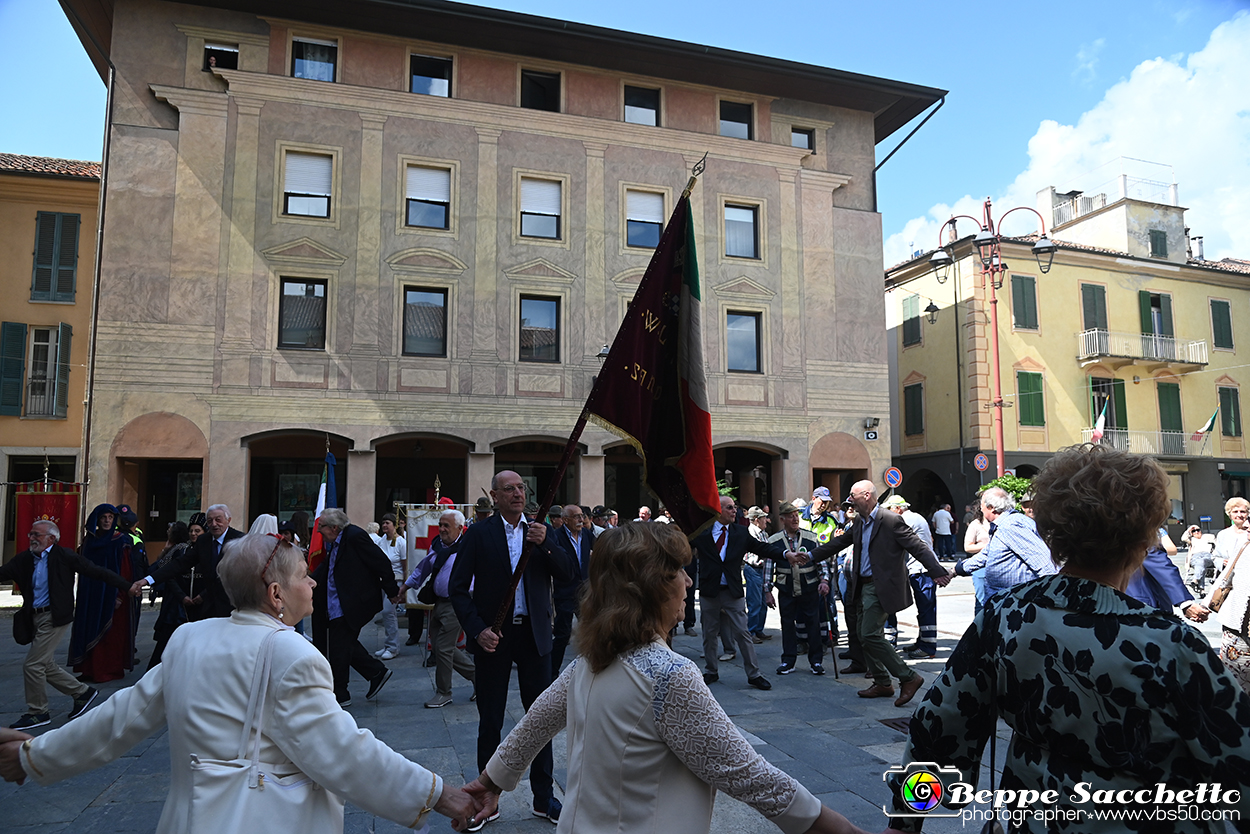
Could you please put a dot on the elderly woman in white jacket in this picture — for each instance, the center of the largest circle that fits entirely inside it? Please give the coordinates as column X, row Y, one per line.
column 201, row 691
column 1235, row 575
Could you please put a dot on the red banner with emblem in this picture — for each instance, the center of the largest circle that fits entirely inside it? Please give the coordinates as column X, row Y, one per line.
column 54, row 501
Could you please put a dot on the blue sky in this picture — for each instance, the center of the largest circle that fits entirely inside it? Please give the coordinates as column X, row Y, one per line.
column 1039, row 93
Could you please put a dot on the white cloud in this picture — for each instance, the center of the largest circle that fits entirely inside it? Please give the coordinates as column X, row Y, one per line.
column 1087, row 61
column 1192, row 114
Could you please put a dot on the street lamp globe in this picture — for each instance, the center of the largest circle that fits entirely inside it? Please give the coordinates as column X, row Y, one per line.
column 1044, row 250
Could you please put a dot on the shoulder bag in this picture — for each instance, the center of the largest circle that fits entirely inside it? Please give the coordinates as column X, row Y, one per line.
column 1221, row 591
column 246, row 794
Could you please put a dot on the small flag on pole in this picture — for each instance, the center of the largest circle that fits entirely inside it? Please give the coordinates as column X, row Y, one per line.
column 327, row 496
column 1100, row 425
column 1209, row 425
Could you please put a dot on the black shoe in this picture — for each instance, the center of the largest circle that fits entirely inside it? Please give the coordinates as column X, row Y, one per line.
column 552, row 811
column 854, row 668
column 31, row 720
column 710, row 677
column 785, row 668
column 375, row 685
column 412, row 641
column 429, row 663
column 818, row 669
column 760, row 682
column 845, row 655
column 345, row 701
column 81, row 702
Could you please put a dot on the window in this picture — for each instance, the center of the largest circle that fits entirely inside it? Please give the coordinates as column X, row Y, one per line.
column 913, row 409
column 428, row 197
column 644, row 218
column 911, row 320
column 430, row 76
column 307, row 182
column 540, row 329
column 44, row 385
column 1158, row 243
column 1221, row 324
column 1230, row 412
column 425, row 322
column 801, row 137
column 741, row 239
column 56, row 256
column 736, row 119
column 642, row 106
column 540, row 90
column 1156, row 325
column 302, row 314
column 1094, row 306
column 1171, row 427
column 540, row 208
column 742, row 341
column 1029, row 399
column 1024, row 302
column 221, row 56
column 1109, row 392
column 314, row 59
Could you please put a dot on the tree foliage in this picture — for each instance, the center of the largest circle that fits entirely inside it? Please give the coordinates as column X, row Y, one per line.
column 1016, row 485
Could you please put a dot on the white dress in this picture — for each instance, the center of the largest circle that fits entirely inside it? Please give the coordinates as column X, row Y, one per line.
column 648, row 747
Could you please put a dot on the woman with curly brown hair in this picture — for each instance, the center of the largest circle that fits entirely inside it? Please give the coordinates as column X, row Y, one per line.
column 648, row 745
column 1099, row 688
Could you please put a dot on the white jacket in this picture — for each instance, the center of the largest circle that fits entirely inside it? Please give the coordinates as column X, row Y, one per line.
column 1233, row 612
column 200, row 689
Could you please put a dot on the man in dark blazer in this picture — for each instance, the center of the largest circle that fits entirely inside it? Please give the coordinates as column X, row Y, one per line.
column 350, row 582
column 878, row 585
column 1158, row 582
column 489, row 553
column 210, row 599
column 577, row 540
column 720, row 549
column 45, row 573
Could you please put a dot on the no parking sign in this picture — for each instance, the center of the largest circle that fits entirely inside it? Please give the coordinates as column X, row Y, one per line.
column 981, row 461
column 893, row 477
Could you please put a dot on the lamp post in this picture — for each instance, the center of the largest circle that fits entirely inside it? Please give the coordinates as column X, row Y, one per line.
column 988, row 243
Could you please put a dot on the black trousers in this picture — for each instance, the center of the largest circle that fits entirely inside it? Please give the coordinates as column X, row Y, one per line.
column 494, row 669
column 339, row 641
column 804, row 609
column 693, row 570
column 565, row 602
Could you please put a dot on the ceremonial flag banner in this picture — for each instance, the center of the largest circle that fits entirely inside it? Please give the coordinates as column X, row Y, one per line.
column 327, row 496
column 652, row 390
column 1207, row 426
column 55, row 502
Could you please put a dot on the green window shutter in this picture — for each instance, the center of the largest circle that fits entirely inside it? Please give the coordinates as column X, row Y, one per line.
column 1030, row 400
column 911, row 320
column 1165, row 307
column 67, row 257
column 1170, row 407
column 1221, row 324
column 61, row 395
column 1024, row 301
column 1230, row 412
column 1158, row 243
column 12, row 367
column 56, row 256
column 1094, row 306
column 913, row 409
column 1120, row 417
column 1143, row 304
column 45, row 256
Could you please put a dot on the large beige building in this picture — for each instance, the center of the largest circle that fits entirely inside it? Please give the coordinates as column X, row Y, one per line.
column 407, row 229
column 1130, row 317
column 47, row 258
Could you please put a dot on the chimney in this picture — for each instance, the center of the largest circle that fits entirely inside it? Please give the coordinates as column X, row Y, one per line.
column 1174, row 196
column 1198, row 240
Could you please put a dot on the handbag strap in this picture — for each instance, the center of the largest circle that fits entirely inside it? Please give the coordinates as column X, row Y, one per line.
column 1229, row 578
column 256, row 707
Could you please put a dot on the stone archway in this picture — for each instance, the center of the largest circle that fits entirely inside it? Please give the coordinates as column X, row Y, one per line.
column 838, row 460
column 157, row 465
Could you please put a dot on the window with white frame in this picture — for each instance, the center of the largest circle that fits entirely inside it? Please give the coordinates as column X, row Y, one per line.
column 425, row 321
column 221, row 56
column 314, row 59
column 430, row 76
column 302, row 314
column 34, row 373
column 540, row 208
column 540, row 329
column 742, row 341
column 428, row 197
column 307, row 182
column 741, row 231
column 644, row 218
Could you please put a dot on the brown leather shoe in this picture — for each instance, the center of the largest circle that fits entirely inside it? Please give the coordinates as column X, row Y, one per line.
column 876, row 691
column 908, row 689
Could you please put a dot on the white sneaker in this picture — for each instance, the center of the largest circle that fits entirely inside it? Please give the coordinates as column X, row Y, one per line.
column 387, row 654
column 378, row 653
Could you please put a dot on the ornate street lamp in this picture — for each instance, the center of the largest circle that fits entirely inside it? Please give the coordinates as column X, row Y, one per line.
column 932, row 311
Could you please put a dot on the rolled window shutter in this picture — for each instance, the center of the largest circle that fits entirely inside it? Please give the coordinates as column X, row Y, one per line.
column 45, row 256
column 308, row 173
column 64, row 338
column 644, row 206
column 67, row 258
column 432, row 184
column 12, row 367
column 540, row 197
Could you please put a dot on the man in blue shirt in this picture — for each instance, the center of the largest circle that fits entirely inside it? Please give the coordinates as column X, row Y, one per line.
column 1016, row 553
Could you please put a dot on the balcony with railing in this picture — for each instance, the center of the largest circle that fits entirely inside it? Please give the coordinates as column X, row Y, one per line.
column 40, row 398
column 1164, row 443
column 1147, row 349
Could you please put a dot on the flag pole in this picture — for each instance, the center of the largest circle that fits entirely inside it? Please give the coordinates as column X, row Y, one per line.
column 567, row 456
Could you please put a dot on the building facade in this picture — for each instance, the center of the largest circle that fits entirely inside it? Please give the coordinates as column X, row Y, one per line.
column 405, row 231
column 1127, row 319
column 47, row 253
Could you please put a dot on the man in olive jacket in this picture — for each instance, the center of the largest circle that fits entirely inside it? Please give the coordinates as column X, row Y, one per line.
column 45, row 573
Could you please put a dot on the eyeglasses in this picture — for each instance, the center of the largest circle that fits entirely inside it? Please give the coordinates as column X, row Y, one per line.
column 511, row 489
column 281, row 541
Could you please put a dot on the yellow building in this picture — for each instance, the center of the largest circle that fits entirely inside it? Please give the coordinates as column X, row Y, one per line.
column 47, row 255
column 1126, row 318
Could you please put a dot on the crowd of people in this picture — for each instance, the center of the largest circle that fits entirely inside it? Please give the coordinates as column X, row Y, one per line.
column 1081, row 557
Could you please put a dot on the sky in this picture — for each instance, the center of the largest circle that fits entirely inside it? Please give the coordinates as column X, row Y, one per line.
column 1067, row 93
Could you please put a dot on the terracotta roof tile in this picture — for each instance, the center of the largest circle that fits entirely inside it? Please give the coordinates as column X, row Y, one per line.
column 47, row 167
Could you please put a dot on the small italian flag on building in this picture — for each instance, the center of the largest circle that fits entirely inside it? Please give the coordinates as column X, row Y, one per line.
column 1209, row 425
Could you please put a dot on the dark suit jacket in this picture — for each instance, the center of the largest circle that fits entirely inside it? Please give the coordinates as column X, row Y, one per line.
column 581, row 554
column 361, row 574
column 200, row 554
column 739, row 542
column 63, row 563
column 483, row 561
column 1158, row 582
column 892, row 540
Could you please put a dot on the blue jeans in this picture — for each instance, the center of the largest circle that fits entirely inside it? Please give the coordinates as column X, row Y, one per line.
column 755, row 598
column 924, row 590
column 982, row 590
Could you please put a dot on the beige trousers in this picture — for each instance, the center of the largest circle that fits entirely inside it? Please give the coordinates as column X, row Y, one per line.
column 444, row 631
column 40, row 669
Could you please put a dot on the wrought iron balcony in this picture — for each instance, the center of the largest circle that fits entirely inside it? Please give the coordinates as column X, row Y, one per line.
column 1152, row 351
column 1163, row 443
column 40, row 397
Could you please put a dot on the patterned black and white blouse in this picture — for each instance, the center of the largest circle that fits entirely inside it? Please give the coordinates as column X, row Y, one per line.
column 1098, row 688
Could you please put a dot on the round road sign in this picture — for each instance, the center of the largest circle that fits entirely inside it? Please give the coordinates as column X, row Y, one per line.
column 981, row 462
column 893, row 477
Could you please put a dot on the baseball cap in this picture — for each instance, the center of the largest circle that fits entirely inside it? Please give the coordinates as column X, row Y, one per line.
column 756, row 512
column 896, row 501
column 786, row 508
column 821, row 493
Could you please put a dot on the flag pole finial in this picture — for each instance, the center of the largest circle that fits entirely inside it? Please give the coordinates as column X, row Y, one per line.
column 694, row 174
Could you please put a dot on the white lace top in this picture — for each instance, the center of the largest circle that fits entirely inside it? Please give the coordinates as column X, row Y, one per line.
column 648, row 746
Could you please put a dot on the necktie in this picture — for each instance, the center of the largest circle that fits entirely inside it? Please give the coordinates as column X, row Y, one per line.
column 720, row 542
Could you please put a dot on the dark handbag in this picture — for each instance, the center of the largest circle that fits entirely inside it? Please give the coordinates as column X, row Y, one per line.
column 24, row 626
column 1221, row 592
